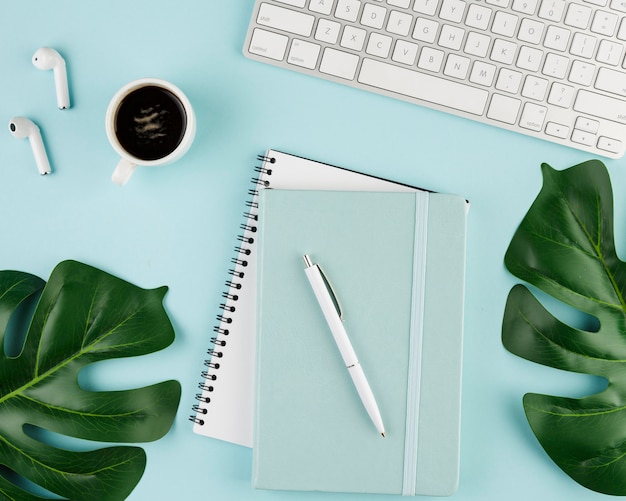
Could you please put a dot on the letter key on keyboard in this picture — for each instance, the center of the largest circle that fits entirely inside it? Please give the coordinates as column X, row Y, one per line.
column 551, row 69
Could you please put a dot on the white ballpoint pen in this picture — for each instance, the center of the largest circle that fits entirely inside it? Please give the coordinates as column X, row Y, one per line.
column 330, row 308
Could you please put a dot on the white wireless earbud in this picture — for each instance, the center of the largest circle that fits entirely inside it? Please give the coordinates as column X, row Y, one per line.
column 22, row 128
column 49, row 59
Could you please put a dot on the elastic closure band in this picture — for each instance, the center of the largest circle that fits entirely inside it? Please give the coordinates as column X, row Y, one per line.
column 409, row 484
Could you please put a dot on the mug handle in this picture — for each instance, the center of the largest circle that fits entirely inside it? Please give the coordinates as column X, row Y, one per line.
column 123, row 171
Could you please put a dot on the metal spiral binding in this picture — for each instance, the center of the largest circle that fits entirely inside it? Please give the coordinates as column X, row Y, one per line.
column 234, row 284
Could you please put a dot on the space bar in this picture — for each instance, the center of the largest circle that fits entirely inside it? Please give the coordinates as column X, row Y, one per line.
column 421, row 86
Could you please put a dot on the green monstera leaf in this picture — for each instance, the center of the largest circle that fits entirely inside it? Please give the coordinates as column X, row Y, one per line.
column 81, row 316
column 565, row 247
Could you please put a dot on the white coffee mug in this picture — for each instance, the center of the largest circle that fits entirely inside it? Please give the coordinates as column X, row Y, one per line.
column 149, row 122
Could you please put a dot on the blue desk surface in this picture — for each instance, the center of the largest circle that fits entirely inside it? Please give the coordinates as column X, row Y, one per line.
column 176, row 225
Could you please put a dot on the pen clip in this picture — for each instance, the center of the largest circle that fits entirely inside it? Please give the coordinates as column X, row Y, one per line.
column 331, row 292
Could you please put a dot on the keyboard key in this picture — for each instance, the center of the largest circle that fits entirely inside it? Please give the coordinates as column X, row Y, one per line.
column 477, row 44
column 405, row 52
column 582, row 73
column 557, row 38
column 457, row 66
column 529, row 58
column 427, row 7
column 509, row 81
column 504, row 109
column 600, row 106
column 618, row 5
column 533, row 116
column 353, row 38
column 604, row 23
column 557, row 130
column 288, row 20
column 504, row 24
column 535, row 88
column 321, row 6
column 478, row 16
column 379, row 45
column 268, row 44
column 451, row 37
column 431, row 59
column 327, row 31
column 348, row 10
column 295, row 3
column 609, row 52
column 525, row 6
column 583, row 45
column 621, row 34
column 503, row 51
column 425, row 87
column 552, row 10
column 499, row 3
column 555, row 66
column 530, row 31
column 587, row 124
column 373, row 16
column 452, row 10
column 609, row 144
column 611, row 81
column 582, row 137
column 561, row 95
column 338, row 63
column 425, row 30
column 304, row 54
column 578, row 16
column 483, row 73
column 399, row 23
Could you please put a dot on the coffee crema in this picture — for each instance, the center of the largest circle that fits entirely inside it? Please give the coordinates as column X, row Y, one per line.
column 150, row 122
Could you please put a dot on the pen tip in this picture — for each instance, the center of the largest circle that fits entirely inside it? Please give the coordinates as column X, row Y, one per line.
column 383, row 434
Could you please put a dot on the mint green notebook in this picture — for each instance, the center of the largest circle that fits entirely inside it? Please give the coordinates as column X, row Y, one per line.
column 396, row 262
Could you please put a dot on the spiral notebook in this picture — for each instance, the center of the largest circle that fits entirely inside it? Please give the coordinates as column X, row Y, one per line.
column 225, row 403
column 396, row 265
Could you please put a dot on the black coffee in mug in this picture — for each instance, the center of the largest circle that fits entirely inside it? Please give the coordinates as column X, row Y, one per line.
column 150, row 122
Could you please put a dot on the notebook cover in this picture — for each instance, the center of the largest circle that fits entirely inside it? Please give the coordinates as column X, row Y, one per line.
column 225, row 408
column 311, row 430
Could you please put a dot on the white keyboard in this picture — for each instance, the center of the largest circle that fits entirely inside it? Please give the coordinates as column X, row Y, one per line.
column 552, row 69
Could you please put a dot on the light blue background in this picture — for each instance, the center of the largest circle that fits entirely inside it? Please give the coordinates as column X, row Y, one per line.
column 176, row 225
